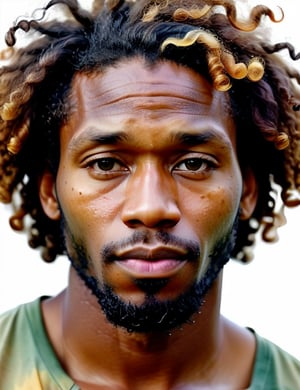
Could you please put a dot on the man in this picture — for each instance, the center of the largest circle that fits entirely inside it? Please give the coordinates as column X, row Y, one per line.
column 145, row 140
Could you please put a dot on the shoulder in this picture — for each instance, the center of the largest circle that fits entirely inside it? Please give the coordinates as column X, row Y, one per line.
column 17, row 320
column 27, row 360
column 274, row 369
column 20, row 328
column 17, row 343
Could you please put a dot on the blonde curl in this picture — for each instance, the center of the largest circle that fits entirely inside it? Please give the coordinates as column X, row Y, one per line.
column 181, row 14
column 256, row 69
column 219, row 60
column 221, row 82
column 16, row 142
column 235, row 70
column 256, row 14
column 192, row 37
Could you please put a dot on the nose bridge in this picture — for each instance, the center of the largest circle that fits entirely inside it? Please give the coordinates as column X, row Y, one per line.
column 154, row 178
column 151, row 196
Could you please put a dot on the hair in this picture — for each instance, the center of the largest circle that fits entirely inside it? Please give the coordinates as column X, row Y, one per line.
column 206, row 36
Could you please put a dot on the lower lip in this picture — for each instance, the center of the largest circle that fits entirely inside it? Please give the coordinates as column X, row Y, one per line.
column 157, row 268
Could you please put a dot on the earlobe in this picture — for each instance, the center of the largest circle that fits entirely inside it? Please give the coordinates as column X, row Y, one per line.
column 48, row 197
column 249, row 195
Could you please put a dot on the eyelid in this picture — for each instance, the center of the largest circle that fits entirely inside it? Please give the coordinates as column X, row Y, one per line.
column 205, row 157
column 207, row 162
column 114, row 161
column 207, row 165
column 118, row 167
column 96, row 154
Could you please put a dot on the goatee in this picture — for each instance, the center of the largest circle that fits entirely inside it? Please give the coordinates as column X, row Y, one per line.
column 154, row 315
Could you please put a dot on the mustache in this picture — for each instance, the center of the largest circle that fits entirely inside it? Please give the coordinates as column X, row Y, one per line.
column 190, row 247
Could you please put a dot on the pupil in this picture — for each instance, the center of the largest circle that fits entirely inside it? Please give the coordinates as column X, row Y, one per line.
column 106, row 164
column 193, row 164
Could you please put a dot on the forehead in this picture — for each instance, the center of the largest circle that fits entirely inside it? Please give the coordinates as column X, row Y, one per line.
column 133, row 92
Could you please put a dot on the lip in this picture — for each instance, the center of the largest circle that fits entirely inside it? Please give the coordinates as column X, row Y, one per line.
column 159, row 262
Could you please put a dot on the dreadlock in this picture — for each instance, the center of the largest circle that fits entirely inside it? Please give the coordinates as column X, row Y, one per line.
column 205, row 36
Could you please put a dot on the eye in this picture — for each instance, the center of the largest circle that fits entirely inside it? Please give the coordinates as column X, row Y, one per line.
column 193, row 164
column 106, row 167
column 197, row 167
column 106, row 164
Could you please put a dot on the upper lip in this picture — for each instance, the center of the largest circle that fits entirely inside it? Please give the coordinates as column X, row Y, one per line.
column 152, row 253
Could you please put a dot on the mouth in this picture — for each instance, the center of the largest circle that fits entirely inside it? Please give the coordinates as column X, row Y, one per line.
column 159, row 262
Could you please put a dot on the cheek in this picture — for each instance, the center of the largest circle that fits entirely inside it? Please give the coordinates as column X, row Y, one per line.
column 214, row 212
column 86, row 212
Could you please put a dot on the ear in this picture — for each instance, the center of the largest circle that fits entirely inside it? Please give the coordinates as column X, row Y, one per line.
column 249, row 195
column 48, row 196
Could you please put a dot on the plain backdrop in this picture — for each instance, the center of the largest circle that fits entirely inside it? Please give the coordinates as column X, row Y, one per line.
column 263, row 294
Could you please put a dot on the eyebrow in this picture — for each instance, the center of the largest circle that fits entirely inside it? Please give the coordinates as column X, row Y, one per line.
column 195, row 139
column 92, row 135
column 202, row 138
column 184, row 138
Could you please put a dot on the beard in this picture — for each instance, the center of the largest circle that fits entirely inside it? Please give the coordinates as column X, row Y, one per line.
column 153, row 315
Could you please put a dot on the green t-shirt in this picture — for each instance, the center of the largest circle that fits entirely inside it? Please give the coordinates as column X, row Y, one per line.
column 28, row 361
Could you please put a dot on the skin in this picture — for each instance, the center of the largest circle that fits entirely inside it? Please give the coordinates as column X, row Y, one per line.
column 125, row 169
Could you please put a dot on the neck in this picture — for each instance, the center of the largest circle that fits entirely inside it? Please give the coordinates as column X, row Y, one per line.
column 90, row 347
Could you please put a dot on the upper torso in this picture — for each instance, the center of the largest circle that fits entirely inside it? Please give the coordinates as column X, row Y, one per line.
column 28, row 360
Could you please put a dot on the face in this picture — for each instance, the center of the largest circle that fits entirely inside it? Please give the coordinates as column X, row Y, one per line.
column 149, row 189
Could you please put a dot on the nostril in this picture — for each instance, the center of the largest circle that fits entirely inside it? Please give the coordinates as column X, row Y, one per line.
column 166, row 223
column 133, row 223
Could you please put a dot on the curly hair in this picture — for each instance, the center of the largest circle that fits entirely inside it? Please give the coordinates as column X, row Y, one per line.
column 205, row 36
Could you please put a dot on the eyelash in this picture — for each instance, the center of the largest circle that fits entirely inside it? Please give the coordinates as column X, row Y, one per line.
column 109, row 160
column 200, row 161
column 108, row 171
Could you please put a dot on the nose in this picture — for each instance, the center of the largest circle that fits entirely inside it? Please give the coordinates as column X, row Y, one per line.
column 151, row 199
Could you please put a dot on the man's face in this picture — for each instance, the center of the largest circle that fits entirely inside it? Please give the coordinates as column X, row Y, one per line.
column 149, row 188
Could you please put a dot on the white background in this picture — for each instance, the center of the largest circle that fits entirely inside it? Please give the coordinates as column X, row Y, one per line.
column 264, row 294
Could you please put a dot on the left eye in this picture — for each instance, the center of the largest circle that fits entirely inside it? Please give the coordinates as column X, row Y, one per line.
column 194, row 164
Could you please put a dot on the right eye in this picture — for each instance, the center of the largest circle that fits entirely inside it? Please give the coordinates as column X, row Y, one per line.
column 106, row 164
column 106, row 167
